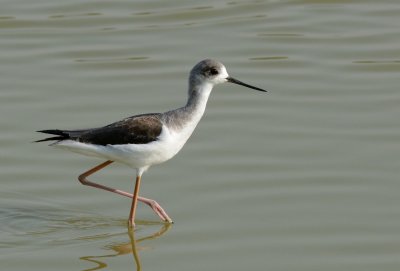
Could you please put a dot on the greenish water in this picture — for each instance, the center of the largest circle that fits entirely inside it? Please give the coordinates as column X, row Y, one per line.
column 305, row 177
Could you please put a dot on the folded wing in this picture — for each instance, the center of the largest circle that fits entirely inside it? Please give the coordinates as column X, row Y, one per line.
column 140, row 129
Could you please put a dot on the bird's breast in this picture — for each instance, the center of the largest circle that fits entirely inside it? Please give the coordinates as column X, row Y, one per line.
column 173, row 140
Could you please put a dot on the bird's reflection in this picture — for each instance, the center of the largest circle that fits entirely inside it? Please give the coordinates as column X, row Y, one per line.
column 126, row 248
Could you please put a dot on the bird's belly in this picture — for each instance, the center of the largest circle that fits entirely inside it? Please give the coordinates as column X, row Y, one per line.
column 141, row 155
column 155, row 152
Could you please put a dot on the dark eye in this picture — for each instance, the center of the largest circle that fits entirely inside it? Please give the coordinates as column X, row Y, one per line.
column 213, row 71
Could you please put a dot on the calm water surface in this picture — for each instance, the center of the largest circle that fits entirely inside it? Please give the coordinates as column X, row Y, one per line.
column 305, row 177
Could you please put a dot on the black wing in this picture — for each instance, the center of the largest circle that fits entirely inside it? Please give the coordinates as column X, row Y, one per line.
column 140, row 129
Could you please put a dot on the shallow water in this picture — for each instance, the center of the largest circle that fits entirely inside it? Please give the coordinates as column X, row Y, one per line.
column 305, row 177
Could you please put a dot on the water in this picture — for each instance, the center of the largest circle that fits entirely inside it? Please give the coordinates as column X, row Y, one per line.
column 305, row 177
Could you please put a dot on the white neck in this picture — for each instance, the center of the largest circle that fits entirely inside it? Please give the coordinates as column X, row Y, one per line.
column 197, row 101
column 187, row 117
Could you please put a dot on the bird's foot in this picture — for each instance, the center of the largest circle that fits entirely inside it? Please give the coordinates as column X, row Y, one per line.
column 131, row 224
column 157, row 209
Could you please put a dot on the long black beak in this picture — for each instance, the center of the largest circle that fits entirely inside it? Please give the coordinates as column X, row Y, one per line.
column 235, row 81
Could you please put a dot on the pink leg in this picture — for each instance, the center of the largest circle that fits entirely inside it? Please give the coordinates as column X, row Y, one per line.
column 132, row 214
column 152, row 203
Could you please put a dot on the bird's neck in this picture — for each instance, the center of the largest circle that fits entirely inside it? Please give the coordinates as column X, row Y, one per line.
column 191, row 113
column 198, row 97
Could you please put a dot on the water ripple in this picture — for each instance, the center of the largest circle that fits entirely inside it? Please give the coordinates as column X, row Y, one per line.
column 32, row 224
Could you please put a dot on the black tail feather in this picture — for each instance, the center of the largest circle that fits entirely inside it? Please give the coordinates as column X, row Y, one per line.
column 54, row 132
column 61, row 135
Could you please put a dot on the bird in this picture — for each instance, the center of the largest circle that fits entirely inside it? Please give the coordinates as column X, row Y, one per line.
column 144, row 140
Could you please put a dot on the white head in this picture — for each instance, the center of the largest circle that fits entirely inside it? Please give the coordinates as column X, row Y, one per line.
column 212, row 72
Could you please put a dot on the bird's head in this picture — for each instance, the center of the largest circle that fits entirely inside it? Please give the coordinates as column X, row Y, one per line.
column 212, row 72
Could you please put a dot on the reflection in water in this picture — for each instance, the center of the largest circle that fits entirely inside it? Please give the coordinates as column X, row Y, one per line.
column 28, row 225
column 126, row 248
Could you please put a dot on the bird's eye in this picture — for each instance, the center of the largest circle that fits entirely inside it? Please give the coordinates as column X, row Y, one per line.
column 213, row 71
